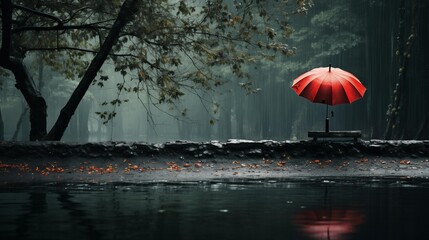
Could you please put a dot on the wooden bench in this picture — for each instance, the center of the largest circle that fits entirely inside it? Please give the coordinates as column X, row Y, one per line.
column 335, row 134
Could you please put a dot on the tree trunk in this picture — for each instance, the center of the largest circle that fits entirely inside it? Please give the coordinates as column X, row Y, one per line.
column 183, row 127
column 19, row 124
column 225, row 117
column 118, row 125
column 398, row 109
column 125, row 15
column 34, row 99
column 84, row 121
column 423, row 98
column 1, row 127
column 72, row 131
column 24, row 81
column 99, row 130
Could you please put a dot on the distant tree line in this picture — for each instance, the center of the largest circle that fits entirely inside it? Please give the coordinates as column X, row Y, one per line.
column 149, row 41
column 223, row 69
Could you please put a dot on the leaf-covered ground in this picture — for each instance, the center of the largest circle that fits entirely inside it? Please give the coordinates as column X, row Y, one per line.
column 137, row 169
column 190, row 161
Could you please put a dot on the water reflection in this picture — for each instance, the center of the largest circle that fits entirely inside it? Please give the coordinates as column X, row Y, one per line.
column 36, row 205
column 329, row 222
column 258, row 210
column 78, row 216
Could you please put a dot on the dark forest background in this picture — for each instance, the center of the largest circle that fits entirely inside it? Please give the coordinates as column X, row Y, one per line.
column 382, row 42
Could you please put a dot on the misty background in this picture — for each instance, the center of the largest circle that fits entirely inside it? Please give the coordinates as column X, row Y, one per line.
column 358, row 36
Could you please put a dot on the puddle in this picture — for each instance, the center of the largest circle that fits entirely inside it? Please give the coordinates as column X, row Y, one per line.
column 335, row 208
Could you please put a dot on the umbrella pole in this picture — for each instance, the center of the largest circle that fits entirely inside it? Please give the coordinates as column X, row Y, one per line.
column 327, row 120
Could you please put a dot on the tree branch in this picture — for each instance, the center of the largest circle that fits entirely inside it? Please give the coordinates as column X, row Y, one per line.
column 91, row 26
column 60, row 23
column 91, row 51
column 77, row 49
column 125, row 15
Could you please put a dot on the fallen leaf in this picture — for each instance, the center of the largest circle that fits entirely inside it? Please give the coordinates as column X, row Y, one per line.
column 23, row 167
column 254, row 166
column 267, row 161
column 50, row 168
column 363, row 160
column 281, row 163
column 172, row 166
column 406, row 162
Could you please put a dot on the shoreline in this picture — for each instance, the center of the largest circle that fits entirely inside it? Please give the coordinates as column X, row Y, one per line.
column 121, row 162
column 233, row 148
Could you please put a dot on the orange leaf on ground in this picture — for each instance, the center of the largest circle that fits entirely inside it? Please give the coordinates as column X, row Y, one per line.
column 363, row 160
column 23, row 167
column 172, row 166
column 254, row 166
column 281, row 163
column 406, row 162
column 267, row 161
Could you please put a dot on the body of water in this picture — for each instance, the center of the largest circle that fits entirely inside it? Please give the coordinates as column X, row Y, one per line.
column 263, row 209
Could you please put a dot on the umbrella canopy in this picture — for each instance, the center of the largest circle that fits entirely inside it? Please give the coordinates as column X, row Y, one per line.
column 328, row 85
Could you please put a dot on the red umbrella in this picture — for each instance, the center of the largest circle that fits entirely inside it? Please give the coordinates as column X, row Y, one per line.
column 330, row 86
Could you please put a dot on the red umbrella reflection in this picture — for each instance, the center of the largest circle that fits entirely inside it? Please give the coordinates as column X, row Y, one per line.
column 332, row 224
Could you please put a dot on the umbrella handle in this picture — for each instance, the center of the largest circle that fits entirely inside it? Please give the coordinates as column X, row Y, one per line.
column 326, row 111
column 327, row 120
column 327, row 125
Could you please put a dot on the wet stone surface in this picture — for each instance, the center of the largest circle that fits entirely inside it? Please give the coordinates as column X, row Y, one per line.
column 137, row 162
column 229, row 149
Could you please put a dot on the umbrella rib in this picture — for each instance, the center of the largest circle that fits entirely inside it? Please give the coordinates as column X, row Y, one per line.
column 355, row 82
column 342, row 89
column 320, row 85
column 307, row 81
column 354, row 89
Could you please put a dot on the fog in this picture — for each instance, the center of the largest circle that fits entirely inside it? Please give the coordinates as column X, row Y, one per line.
column 361, row 37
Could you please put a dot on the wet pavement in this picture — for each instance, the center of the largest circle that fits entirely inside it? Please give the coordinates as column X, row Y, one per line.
column 167, row 168
column 190, row 161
